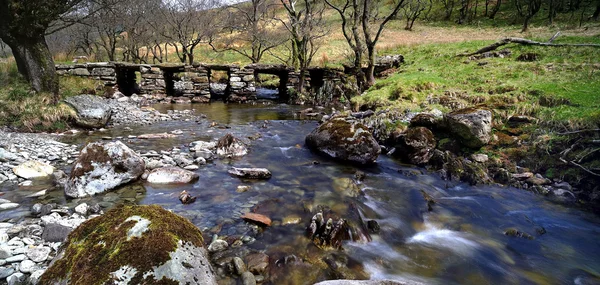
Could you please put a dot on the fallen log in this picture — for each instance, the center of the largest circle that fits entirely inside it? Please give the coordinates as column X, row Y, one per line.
column 523, row 41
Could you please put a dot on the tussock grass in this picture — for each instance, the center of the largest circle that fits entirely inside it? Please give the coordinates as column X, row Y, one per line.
column 27, row 110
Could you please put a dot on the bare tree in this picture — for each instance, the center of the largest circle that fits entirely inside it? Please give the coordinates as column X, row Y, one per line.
column 252, row 30
column 527, row 9
column 413, row 10
column 448, row 8
column 109, row 24
column 367, row 16
column 306, row 26
column 495, row 9
column 186, row 24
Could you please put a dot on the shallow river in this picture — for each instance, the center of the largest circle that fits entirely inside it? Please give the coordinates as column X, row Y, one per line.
column 461, row 241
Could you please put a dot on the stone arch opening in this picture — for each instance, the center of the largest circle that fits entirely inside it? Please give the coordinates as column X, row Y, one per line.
column 275, row 87
column 127, row 79
column 317, row 78
column 218, row 80
column 169, row 83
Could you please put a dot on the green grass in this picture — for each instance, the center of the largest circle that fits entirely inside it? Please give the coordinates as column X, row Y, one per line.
column 25, row 109
column 568, row 77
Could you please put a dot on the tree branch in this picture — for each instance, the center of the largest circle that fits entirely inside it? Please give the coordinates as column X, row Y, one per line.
column 522, row 41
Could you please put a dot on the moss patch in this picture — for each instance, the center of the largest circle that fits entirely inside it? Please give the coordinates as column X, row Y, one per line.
column 100, row 246
column 94, row 152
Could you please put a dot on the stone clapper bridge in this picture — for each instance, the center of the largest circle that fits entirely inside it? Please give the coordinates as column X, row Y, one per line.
column 192, row 83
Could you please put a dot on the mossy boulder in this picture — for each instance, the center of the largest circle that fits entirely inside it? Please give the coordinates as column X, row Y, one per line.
column 416, row 145
column 344, row 140
column 101, row 167
column 471, row 126
column 133, row 245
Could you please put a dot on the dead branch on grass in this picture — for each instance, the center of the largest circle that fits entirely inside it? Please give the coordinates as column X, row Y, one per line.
column 527, row 42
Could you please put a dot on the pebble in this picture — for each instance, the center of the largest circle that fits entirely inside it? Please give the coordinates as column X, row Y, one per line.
column 16, row 278
column 82, row 209
column 5, row 253
column 242, row 188
column 38, row 254
column 27, row 266
column 248, row 278
column 8, row 206
column 16, row 258
column 239, row 265
column 191, row 167
column 218, row 245
column 5, row 272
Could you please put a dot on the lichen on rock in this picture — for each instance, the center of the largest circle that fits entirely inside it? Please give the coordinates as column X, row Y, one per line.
column 102, row 167
column 167, row 249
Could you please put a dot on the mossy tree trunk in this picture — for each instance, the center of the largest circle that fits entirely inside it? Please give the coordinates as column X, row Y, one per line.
column 23, row 26
column 35, row 63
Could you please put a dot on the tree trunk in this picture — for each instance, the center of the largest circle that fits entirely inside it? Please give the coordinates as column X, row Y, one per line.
column 35, row 62
column 360, row 75
column 525, row 24
column 370, row 74
column 596, row 14
column 496, row 9
column 301, row 80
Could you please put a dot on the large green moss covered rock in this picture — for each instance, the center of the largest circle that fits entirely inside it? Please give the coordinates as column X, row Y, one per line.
column 133, row 245
column 472, row 126
column 344, row 140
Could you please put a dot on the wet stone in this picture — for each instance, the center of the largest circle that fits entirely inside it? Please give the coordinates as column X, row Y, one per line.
column 257, row 263
column 239, row 265
column 5, row 272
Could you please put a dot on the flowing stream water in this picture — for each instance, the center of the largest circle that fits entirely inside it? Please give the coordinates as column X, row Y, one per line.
column 461, row 241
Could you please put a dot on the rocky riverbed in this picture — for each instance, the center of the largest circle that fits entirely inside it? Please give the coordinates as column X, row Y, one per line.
column 256, row 229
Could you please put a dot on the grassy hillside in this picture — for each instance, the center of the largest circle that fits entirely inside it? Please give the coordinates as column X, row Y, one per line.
column 561, row 88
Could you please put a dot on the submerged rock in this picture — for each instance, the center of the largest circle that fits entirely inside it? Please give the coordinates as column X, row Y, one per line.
column 472, row 126
column 186, row 198
column 257, row 218
column 102, row 167
column 344, row 140
column 368, row 282
column 92, row 111
column 171, row 174
column 252, row 173
column 156, row 136
column 133, row 245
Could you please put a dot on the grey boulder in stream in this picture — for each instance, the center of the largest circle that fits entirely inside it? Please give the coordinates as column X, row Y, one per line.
column 344, row 140
column 92, row 111
column 102, row 167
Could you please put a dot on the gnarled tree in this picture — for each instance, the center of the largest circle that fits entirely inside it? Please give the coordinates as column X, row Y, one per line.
column 23, row 25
